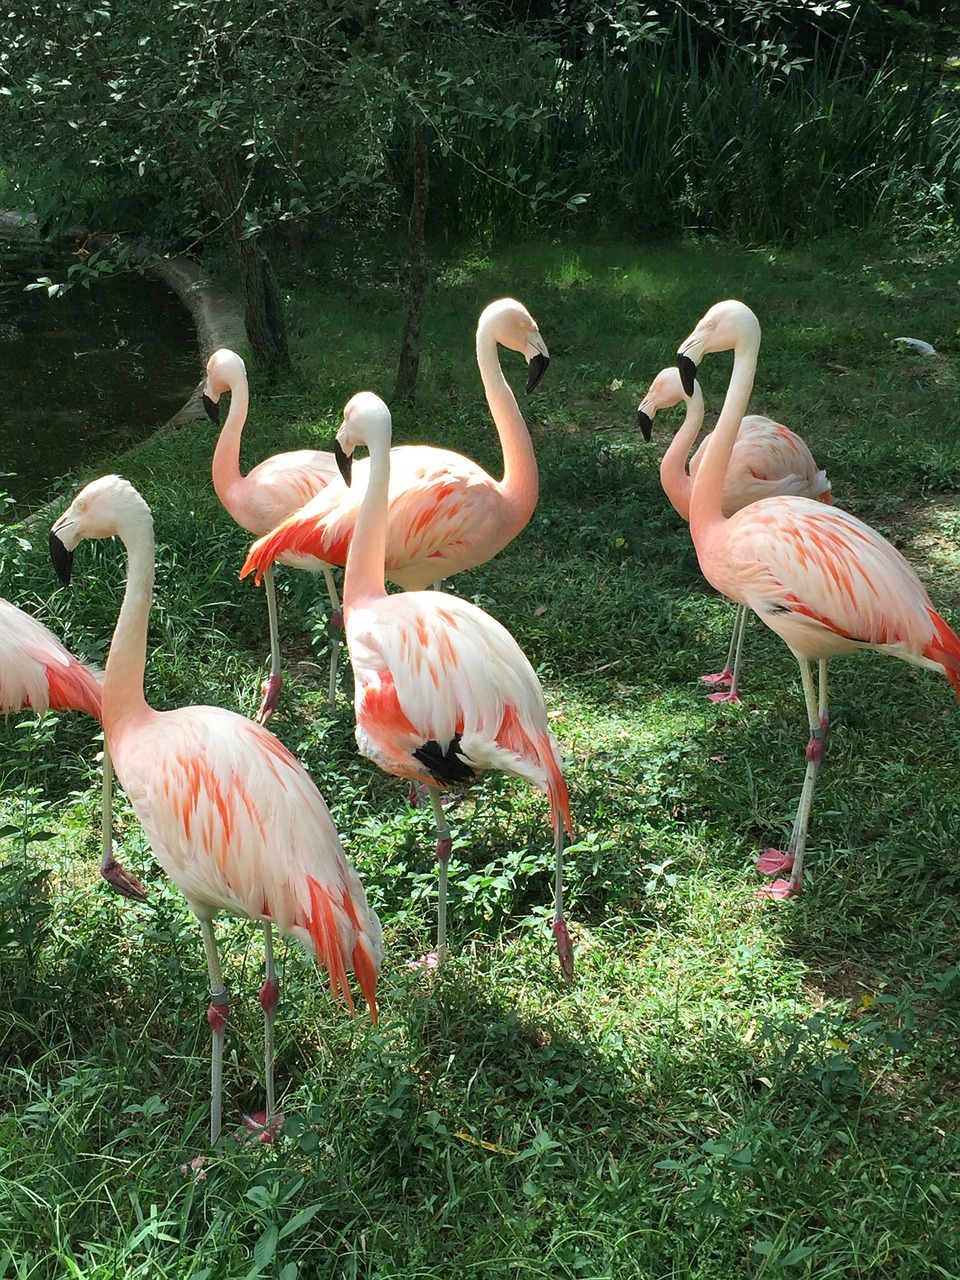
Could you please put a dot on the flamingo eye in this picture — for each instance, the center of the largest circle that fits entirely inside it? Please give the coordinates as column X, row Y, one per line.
column 81, row 504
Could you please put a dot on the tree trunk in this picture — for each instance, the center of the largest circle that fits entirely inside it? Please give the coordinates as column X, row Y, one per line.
column 406, row 384
column 264, row 318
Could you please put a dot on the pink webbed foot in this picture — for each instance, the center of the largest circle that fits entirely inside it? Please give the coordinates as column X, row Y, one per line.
column 269, row 697
column 126, row 884
column 771, row 862
column 564, row 948
column 730, row 696
column 443, row 850
column 336, row 620
column 430, row 961
column 719, row 677
column 778, row 890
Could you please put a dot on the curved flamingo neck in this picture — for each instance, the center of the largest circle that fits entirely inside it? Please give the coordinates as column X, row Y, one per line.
column 123, row 696
column 363, row 577
column 226, row 456
column 520, row 485
column 675, row 479
column 706, row 503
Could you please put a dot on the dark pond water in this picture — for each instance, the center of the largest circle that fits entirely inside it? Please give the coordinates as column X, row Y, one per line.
column 84, row 374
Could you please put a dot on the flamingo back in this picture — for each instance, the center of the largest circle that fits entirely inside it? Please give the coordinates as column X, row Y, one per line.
column 239, row 826
column 280, row 486
column 445, row 515
column 828, row 583
column 768, row 460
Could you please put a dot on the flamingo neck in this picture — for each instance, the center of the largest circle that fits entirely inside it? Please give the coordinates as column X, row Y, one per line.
column 123, row 695
column 675, row 480
column 363, row 577
column 520, row 485
column 226, row 456
column 706, row 503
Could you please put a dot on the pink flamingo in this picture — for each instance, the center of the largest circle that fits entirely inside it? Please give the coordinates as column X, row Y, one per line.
column 445, row 513
column 443, row 691
column 823, row 580
column 37, row 671
column 267, row 494
column 232, row 817
column 768, row 459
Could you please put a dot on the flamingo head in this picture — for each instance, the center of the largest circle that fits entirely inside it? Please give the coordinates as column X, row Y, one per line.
column 225, row 372
column 724, row 327
column 664, row 392
column 366, row 421
column 511, row 325
column 103, row 508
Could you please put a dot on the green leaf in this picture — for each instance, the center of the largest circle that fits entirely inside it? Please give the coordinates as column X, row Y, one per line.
column 264, row 1251
column 299, row 1220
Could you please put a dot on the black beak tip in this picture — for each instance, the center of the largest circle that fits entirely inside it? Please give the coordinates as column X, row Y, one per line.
column 212, row 410
column 688, row 373
column 645, row 423
column 61, row 558
column 535, row 370
column 344, row 462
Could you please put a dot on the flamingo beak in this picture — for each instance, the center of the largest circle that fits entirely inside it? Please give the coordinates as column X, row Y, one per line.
column 688, row 372
column 212, row 409
column 645, row 423
column 61, row 558
column 344, row 462
column 536, row 368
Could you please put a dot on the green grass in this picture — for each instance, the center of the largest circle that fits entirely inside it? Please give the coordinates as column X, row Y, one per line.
column 732, row 1088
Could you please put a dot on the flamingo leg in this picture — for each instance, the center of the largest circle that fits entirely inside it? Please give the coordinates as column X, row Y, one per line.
column 217, row 1020
column 817, row 715
column 336, row 627
column 270, row 689
column 269, row 993
column 731, row 671
column 560, row 931
column 122, row 880
column 444, row 846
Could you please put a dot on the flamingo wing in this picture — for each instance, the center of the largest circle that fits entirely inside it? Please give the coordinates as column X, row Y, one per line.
column 37, row 671
column 438, row 501
column 768, row 460
column 282, row 484
column 828, row 583
column 238, row 824
column 444, row 691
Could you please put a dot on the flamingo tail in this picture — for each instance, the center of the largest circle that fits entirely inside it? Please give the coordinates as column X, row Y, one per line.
column 328, row 944
column 944, row 649
column 74, row 688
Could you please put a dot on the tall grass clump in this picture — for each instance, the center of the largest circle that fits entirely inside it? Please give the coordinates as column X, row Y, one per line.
column 681, row 131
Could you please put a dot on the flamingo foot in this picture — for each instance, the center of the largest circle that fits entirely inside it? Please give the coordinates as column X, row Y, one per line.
column 258, row 1130
column 731, row 696
column 122, row 880
column 336, row 620
column 270, row 697
column 778, row 890
column 771, row 862
column 564, row 948
column 719, row 677
column 430, row 961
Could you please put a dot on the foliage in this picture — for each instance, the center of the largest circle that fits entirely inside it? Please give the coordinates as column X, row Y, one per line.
column 732, row 1088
